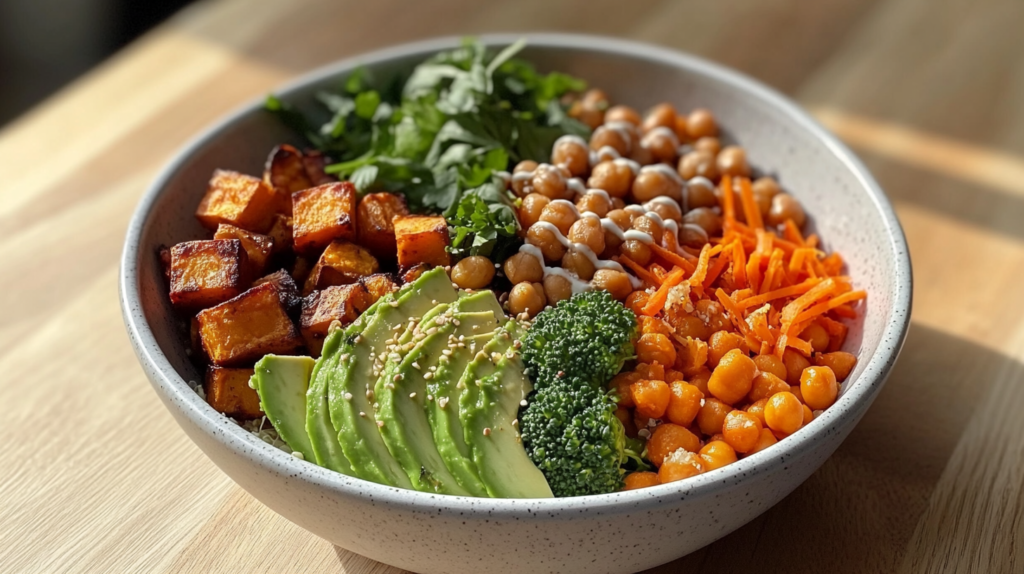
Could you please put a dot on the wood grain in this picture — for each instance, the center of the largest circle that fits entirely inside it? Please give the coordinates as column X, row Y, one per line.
column 96, row 477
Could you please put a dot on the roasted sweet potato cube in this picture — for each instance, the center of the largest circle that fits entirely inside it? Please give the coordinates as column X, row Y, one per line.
column 301, row 269
column 287, row 290
column 376, row 231
column 321, row 308
column 281, row 232
column 256, row 245
column 241, row 200
column 322, row 214
column 205, row 273
column 285, row 172
column 243, row 329
column 378, row 285
column 228, row 392
column 413, row 273
column 340, row 264
column 315, row 162
column 421, row 239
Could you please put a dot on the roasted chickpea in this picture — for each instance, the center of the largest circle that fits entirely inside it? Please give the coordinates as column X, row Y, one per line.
column 661, row 115
column 588, row 114
column 597, row 203
column 635, row 302
column 818, row 387
column 700, row 380
column 618, row 203
column 621, row 218
column 741, row 430
column 612, row 281
column 701, row 123
column 614, row 177
column 623, row 114
column 717, row 454
column 795, row 364
column 722, row 342
column 647, row 225
column 473, row 272
column 547, row 241
column 765, row 385
column 816, row 335
column 641, row 155
column 756, row 408
column 533, row 205
column 613, row 137
column 732, row 379
column 785, row 206
column 556, row 288
column 667, row 210
column 771, row 364
column 560, row 214
column 588, row 231
column 765, row 440
column 662, row 143
column 784, row 414
column 692, row 235
column 521, row 183
column 655, row 348
column 595, row 98
column 651, row 183
column 765, row 189
column 524, row 166
column 700, row 195
column 682, row 133
column 523, row 267
column 637, row 251
column 840, row 362
column 708, row 144
column 635, row 480
column 680, row 465
column 579, row 265
column 696, row 163
column 526, row 298
column 684, row 403
column 573, row 155
column 549, row 181
column 732, row 160
column 712, row 314
column 712, row 415
column 668, row 438
column 651, row 397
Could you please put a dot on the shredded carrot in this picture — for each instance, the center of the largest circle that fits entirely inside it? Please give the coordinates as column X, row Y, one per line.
column 763, row 298
column 812, row 240
column 644, row 275
column 720, row 264
column 702, row 267
column 771, row 275
column 657, row 301
column 792, row 233
column 832, row 327
column 750, row 208
column 658, row 271
column 735, row 313
column 833, row 264
column 728, row 202
column 754, row 269
column 832, row 303
column 764, row 243
column 845, row 311
column 673, row 258
column 739, row 266
column 800, row 345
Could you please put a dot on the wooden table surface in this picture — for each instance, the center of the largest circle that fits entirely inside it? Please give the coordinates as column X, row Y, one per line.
column 96, row 477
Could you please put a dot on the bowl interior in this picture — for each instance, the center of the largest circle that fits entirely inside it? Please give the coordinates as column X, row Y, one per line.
column 842, row 202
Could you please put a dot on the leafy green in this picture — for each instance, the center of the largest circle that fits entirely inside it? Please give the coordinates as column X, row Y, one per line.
column 439, row 135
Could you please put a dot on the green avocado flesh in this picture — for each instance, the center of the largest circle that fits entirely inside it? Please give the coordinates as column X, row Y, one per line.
column 282, row 382
column 495, row 384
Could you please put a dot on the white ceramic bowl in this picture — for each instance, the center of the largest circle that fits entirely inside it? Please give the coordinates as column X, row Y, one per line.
column 621, row 532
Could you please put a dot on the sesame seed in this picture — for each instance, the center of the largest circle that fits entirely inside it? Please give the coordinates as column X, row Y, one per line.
column 447, row 352
column 456, row 322
column 412, row 395
column 399, row 377
column 433, row 301
column 428, row 376
column 430, row 397
column 390, row 385
column 487, row 432
column 476, row 327
column 393, row 303
column 439, row 320
column 432, row 330
column 442, row 402
column 344, row 357
column 348, row 396
column 415, row 365
column 515, row 423
column 522, row 403
column 362, row 414
column 644, row 433
column 298, row 455
column 380, row 424
column 369, row 395
column 455, row 285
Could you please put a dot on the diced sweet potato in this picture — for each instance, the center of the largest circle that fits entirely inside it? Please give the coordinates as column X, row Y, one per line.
column 340, row 264
column 413, row 273
column 378, row 285
column 321, row 308
column 301, row 269
column 256, row 245
column 421, row 239
column 315, row 162
column 281, row 232
column 376, row 230
column 285, row 172
column 322, row 214
column 238, row 199
column 287, row 290
column 228, row 392
column 205, row 273
column 243, row 329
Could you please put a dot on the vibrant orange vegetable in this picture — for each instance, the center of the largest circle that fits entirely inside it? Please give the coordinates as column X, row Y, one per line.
column 657, row 301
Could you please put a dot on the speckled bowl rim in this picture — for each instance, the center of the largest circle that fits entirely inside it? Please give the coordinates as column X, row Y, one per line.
column 850, row 405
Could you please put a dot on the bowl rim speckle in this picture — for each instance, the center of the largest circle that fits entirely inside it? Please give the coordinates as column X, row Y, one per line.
column 851, row 404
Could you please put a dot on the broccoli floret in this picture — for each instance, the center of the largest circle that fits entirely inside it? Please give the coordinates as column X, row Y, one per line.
column 569, row 427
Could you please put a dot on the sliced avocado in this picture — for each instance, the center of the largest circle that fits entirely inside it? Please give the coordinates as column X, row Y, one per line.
column 402, row 393
column 361, row 357
column 282, row 382
column 495, row 382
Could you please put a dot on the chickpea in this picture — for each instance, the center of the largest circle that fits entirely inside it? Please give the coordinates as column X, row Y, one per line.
column 661, row 115
column 526, row 298
column 594, row 203
column 701, row 123
column 732, row 160
column 667, row 211
column 641, row 155
column 692, row 235
column 521, row 185
column 615, row 282
column 618, row 203
column 765, row 189
column 668, row 438
column 523, row 267
column 473, row 272
column 722, row 342
column 589, row 115
column 635, row 302
column 732, row 379
column 785, row 206
column 637, row 251
column 532, row 207
column 717, row 454
column 622, row 383
column 840, row 362
column 556, row 288
column 651, row 397
column 680, row 465
column 756, row 408
column 700, row 380
column 662, row 144
column 712, row 415
column 655, row 348
column 684, row 403
column 621, row 218
column 699, row 195
column 653, row 183
column 579, row 265
column 525, row 165
column 545, row 240
column 647, row 225
column 635, row 480
column 741, row 430
column 771, row 364
column 682, row 133
column 572, row 155
column 712, row 314
column 696, row 163
column 614, row 177
column 765, row 440
column 596, row 98
column 765, row 385
column 816, row 335
column 549, row 181
column 708, row 144
column 784, row 414
column 617, row 139
column 623, row 114
column 818, row 387
column 588, row 231
column 795, row 364
column 559, row 214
